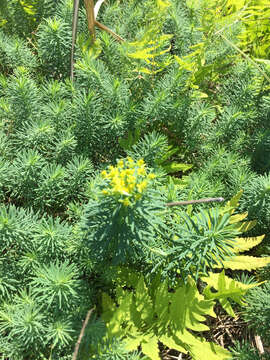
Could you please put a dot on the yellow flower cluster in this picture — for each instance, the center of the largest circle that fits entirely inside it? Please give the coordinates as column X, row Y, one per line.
column 127, row 181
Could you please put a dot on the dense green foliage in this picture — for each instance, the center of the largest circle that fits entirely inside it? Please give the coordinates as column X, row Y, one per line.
column 258, row 311
column 175, row 112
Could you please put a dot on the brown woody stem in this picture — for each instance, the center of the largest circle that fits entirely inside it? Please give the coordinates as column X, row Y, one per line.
column 74, row 32
column 74, row 357
column 200, row 201
column 103, row 27
column 89, row 5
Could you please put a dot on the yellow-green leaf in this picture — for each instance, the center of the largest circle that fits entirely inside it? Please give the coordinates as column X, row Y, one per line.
column 175, row 167
column 108, row 307
column 186, row 65
column 162, row 5
column 204, row 350
column 200, row 349
column 28, row 8
column 173, row 343
column 245, row 244
column 225, row 288
column 246, row 226
column 189, row 308
column 238, row 217
column 133, row 341
column 243, row 262
column 144, row 304
column 233, row 203
column 150, row 348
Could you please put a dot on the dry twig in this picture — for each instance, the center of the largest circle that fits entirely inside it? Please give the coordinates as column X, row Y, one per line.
column 259, row 344
column 81, row 334
column 200, row 201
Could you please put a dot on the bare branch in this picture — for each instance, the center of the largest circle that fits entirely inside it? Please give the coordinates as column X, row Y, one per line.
column 200, row 201
column 74, row 357
column 89, row 5
column 259, row 344
column 103, row 27
column 74, row 33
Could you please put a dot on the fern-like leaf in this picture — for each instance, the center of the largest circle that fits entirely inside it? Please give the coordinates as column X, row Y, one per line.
column 243, row 262
column 225, row 288
column 245, row 244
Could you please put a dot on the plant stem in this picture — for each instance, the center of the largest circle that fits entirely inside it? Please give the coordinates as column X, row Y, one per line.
column 81, row 334
column 200, row 201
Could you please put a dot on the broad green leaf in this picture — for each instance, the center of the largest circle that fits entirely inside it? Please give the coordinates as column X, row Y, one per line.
column 146, row 71
column 217, row 279
column 163, row 4
column 186, row 65
column 173, row 343
column 87, row 47
column 150, row 348
column 127, row 277
column 236, row 4
column 142, row 54
column 224, row 302
column 28, row 7
column 175, row 167
column 189, row 308
column 171, row 151
column 225, row 288
column 121, row 314
column 162, row 300
column 144, row 304
column 200, row 349
column 108, row 307
column 132, row 138
column 149, row 315
column 199, row 95
column 135, row 316
column 133, row 340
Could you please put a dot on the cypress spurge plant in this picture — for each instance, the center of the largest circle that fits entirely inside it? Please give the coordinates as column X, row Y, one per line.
column 122, row 216
column 258, row 311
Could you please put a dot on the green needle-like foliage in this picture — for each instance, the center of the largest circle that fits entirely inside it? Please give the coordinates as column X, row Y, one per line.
column 14, row 53
column 15, row 226
column 54, row 38
column 244, row 351
column 57, row 284
column 201, row 242
column 257, row 312
column 256, row 199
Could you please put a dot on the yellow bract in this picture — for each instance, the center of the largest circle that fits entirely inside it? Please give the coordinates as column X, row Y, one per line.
column 141, row 186
column 127, row 181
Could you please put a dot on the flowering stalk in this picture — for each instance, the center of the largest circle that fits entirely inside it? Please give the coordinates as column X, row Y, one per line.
column 127, row 181
column 125, row 216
